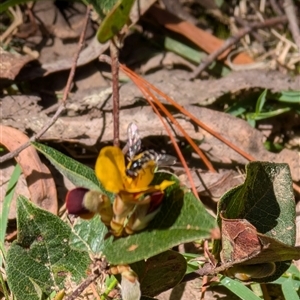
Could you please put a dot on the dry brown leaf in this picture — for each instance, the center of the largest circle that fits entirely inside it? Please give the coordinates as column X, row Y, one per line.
column 89, row 115
column 201, row 38
column 58, row 56
column 38, row 177
column 11, row 64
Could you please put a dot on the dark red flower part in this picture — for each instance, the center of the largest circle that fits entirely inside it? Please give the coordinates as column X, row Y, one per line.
column 156, row 199
column 75, row 203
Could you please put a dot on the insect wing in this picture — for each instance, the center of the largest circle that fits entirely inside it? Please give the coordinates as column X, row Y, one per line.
column 165, row 160
column 134, row 140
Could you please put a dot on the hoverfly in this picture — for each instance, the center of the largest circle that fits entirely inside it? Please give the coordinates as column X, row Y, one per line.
column 138, row 160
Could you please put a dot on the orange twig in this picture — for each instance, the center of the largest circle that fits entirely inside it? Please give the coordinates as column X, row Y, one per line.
column 201, row 124
column 151, row 99
column 172, row 119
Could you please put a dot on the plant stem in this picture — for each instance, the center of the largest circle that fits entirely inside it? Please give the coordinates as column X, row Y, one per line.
column 109, row 288
column 114, row 53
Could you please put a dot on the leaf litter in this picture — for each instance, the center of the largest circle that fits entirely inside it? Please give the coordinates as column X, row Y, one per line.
column 88, row 112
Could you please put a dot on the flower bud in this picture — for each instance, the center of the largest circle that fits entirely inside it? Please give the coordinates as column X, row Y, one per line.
column 86, row 203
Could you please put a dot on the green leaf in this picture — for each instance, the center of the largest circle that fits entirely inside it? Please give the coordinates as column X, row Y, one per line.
column 89, row 234
column 41, row 258
column 293, row 274
column 269, row 114
column 6, row 205
column 289, row 96
column 261, row 102
column 102, row 7
column 238, row 288
column 182, row 219
column 266, row 200
column 4, row 6
column 114, row 20
column 289, row 291
column 193, row 55
column 79, row 174
column 169, row 265
column 251, row 121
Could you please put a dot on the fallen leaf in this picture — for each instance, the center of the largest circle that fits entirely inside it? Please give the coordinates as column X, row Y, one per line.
column 201, row 38
column 239, row 240
column 38, row 177
column 11, row 64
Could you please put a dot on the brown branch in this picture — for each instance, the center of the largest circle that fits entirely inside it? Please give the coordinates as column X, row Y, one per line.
column 35, row 137
column 290, row 12
column 275, row 7
column 240, row 21
column 114, row 54
column 233, row 40
column 100, row 269
column 83, row 286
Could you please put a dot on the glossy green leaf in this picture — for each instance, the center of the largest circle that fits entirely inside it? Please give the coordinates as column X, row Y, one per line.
column 169, row 265
column 238, row 288
column 114, row 20
column 266, row 200
column 261, row 101
column 6, row 204
column 182, row 219
column 293, row 274
column 41, row 258
column 266, row 115
column 289, row 97
column 289, row 291
column 193, row 55
column 79, row 174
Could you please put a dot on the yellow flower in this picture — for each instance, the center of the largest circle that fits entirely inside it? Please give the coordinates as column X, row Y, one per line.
column 136, row 201
column 111, row 171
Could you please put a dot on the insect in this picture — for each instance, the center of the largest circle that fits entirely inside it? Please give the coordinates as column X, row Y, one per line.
column 138, row 160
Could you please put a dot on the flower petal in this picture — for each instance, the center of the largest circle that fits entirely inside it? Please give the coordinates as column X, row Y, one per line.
column 163, row 185
column 110, row 168
column 143, row 179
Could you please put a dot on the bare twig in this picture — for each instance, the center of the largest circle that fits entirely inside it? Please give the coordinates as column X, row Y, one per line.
column 233, row 40
column 18, row 20
column 83, row 286
column 277, row 10
column 292, row 19
column 12, row 154
column 245, row 23
column 114, row 54
column 100, row 269
column 151, row 96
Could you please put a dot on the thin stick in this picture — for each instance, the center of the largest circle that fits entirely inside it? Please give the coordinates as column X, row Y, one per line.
column 114, row 54
column 173, row 120
column 83, row 286
column 142, row 85
column 233, row 40
column 290, row 12
column 198, row 122
column 276, row 8
column 35, row 137
column 145, row 91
